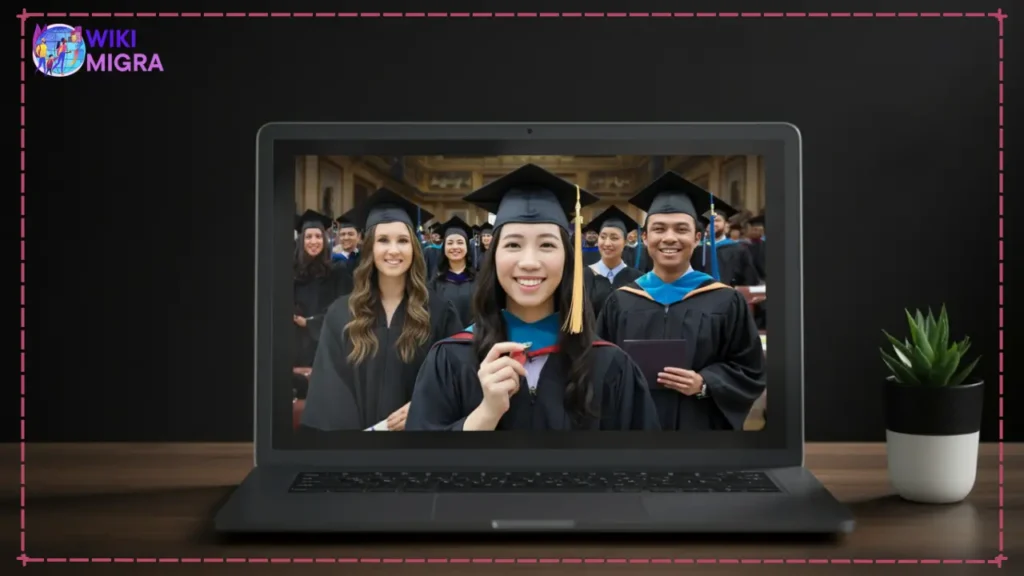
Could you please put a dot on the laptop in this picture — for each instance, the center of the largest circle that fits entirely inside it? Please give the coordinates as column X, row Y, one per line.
column 700, row 482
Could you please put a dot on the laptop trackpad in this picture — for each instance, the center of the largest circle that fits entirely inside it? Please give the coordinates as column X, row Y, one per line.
column 539, row 511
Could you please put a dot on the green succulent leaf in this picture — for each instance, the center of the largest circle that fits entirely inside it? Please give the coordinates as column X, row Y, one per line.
column 945, row 366
column 965, row 345
column 928, row 357
column 930, row 329
column 921, row 365
column 899, row 370
column 919, row 337
column 962, row 375
column 942, row 340
column 902, row 349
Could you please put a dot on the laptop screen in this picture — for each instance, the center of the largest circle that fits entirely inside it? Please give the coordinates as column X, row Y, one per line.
column 434, row 292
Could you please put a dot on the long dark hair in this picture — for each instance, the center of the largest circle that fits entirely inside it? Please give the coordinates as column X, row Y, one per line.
column 443, row 266
column 489, row 329
column 306, row 267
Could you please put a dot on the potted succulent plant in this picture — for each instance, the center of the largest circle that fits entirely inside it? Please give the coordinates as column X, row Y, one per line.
column 932, row 412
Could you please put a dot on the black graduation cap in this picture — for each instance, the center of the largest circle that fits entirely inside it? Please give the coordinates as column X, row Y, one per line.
column 456, row 225
column 757, row 220
column 344, row 222
column 530, row 195
column 614, row 218
column 435, row 228
column 672, row 194
column 485, row 228
column 385, row 206
column 312, row 219
column 722, row 212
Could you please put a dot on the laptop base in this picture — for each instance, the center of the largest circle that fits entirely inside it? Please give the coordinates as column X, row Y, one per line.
column 263, row 504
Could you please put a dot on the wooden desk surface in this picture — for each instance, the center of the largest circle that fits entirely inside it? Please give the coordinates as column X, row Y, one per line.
column 88, row 506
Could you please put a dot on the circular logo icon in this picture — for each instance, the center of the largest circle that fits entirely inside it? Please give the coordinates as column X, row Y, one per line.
column 58, row 50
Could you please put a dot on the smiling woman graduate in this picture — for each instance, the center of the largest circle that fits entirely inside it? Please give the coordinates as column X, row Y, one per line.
column 316, row 284
column 374, row 339
column 531, row 361
column 722, row 371
column 454, row 279
column 611, row 271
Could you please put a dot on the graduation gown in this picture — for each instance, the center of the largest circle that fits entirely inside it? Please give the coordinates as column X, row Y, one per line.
column 591, row 254
column 599, row 288
column 447, row 391
column 460, row 294
column 722, row 344
column 629, row 255
column 312, row 298
column 646, row 263
column 757, row 253
column 432, row 255
column 345, row 398
column 479, row 255
column 348, row 267
column 735, row 263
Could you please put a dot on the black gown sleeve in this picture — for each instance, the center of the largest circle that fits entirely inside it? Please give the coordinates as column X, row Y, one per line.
column 315, row 325
column 343, row 279
column 330, row 402
column 608, row 319
column 757, row 255
column 736, row 383
column 430, row 256
column 748, row 272
column 436, row 404
column 444, row 319
column 338, row 281
column 595, row 293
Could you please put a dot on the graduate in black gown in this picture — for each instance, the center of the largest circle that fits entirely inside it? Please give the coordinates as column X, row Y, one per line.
column 531, row 360
column 756, row 244
column 611, row 271
column 721, row 371
column 454, row 280
column 316, row 284
column 486, row 231
column 735, row 264
column 432, row 249
column 589, row 249
column 375, row 338
column 346, row 251
column 758, row 247
column 346, row 247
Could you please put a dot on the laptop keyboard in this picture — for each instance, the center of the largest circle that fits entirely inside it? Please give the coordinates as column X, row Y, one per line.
column 723, row 482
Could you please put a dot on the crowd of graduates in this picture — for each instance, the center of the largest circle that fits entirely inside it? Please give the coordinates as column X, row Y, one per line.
column 529, row 321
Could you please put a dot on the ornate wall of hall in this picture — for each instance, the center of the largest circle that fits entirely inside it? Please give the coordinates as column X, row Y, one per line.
column 335, row 184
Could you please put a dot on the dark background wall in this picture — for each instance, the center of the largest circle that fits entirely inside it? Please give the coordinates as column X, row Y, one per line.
column 139, row 199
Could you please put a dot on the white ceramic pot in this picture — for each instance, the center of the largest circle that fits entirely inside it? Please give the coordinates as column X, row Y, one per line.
column 932, row 437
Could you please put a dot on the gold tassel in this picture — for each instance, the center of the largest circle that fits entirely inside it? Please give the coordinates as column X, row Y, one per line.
column 574, row 322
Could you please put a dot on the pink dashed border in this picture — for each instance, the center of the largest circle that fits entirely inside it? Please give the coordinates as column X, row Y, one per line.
column 25, row 15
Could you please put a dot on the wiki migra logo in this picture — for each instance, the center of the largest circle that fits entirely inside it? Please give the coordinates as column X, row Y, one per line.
column 61, row 50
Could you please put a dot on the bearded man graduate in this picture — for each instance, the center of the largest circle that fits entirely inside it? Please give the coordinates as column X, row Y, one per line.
column 720, row 371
